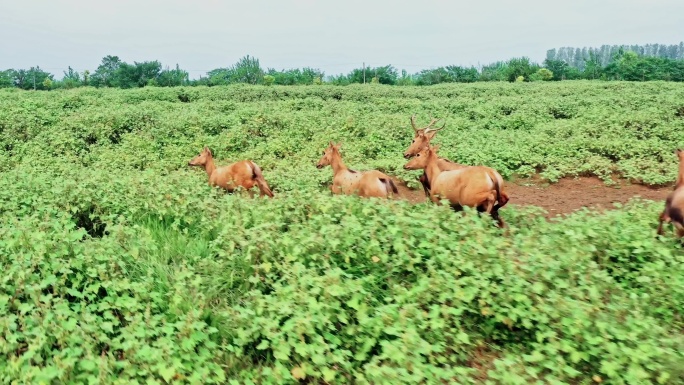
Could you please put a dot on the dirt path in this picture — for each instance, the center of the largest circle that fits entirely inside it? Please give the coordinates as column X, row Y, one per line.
column 565, row 196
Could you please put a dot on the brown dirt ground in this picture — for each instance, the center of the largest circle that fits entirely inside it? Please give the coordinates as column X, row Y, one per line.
column 563, row 197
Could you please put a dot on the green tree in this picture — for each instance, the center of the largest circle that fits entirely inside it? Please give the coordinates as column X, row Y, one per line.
column 71, row 78
column 6, row 79
column 434, row 76
column 559, row 68
column 295, row 76
column 47, row 84
column 172, row 77
column 385, row 74
column 19, row 78
column 462, row 75
column 405, row 79
column 32, row 78
column 592, row 67
column 136, row 74
column 545, row 74
column 247, row 70
column 517, row 67
column 494, row 72
column 104, row 75
column 219, row 76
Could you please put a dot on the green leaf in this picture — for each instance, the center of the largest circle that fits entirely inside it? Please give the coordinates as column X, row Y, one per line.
column 328, row 374
column 263, row 345
column 87, row 365
column 167, row 373
column 463, row 337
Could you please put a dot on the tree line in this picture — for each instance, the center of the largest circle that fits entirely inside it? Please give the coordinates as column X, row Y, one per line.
column 624, row 63
column 577, row 57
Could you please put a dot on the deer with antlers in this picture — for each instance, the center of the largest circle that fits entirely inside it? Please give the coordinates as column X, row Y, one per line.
column 674, row 203
column 349, row 182
column 472, row 186
column 244, row 173
column 421, row 140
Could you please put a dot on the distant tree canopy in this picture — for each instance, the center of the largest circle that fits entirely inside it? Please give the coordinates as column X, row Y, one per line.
column 30, row 79
column 606, row 54
column 629, row 63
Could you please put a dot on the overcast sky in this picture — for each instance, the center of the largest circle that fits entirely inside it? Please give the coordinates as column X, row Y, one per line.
column 334, row 36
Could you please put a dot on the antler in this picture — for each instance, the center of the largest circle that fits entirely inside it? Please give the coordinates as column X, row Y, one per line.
column 432, row 121
column 429, row 126
column 413, row 122
column 435, row 129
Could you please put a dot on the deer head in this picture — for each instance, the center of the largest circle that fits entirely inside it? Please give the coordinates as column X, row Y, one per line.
column 201, row 159
column 422, row 158
column 328, row 154
column 422, row 136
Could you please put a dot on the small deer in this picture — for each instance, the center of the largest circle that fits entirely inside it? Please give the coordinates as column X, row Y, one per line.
column 472, row 186
column 346, row 181
column 421, row 141
column 244, row 173
column 674, row 204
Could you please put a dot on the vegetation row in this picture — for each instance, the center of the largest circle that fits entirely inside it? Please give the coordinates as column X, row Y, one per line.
column 122, row 265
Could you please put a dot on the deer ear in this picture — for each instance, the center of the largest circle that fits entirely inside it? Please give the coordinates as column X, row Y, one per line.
column 435, row 148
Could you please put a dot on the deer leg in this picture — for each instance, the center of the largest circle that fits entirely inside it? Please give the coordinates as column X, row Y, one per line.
column 456, row 207
column 426, row 184
column 435, row 199
column 663, row 218
column 680, row 232
column 503, row 199
column 497, row 217
column 483, row 202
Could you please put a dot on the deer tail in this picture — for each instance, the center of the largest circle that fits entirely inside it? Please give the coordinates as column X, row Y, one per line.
column 501, row 197
column 260, row 181
column 497, row 188
column 393, row 186
column 389, row 185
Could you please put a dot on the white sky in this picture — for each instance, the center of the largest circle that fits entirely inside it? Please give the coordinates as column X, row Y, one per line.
column 334, row 36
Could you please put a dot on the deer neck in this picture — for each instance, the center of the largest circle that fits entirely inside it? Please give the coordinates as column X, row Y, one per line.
column 209, row 167
column 337, row 164
column 432, row 168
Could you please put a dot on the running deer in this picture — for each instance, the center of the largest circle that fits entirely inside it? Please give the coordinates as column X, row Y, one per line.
column 674, row 204
column 421, row 140
column 244, row 173
column 363, row 183
column 472, row 186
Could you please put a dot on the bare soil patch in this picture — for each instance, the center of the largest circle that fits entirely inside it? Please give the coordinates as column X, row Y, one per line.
column 563, row 197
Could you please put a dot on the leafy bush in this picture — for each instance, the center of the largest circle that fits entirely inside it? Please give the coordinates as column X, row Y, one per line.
column 121, row 265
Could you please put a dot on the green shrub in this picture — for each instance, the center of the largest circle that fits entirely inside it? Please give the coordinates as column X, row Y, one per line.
column 121, row 265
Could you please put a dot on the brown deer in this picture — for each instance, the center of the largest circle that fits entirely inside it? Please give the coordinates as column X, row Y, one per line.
column 421, row 140
column 244, row 173
column 362, row 183
column 472, row 186
column 674, row 204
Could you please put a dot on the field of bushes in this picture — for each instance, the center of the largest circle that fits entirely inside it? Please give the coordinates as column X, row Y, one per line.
column 121, row 265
